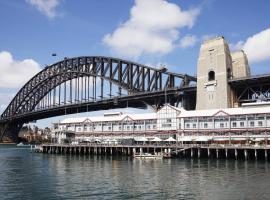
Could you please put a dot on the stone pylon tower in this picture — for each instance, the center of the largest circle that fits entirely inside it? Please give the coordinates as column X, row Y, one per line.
column 240, row 66
column 213, row 71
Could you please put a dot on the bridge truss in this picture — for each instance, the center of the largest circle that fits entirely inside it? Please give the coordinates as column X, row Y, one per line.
column 84, row 84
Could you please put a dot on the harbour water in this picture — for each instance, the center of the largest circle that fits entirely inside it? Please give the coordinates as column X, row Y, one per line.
column 26, row 175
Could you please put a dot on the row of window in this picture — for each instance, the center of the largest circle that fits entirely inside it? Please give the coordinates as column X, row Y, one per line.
column 225, row 125
column 131, row 127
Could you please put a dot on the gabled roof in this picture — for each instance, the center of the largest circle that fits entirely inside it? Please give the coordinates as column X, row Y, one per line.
column 174, row 108
column 227, row 111
column 221, row 113
column 133, row 117
column 127, row 118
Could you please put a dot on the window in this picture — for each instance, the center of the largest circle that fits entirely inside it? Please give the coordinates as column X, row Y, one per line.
column 205, row 125
column 251, row 123
column 120, row 127
column 166, row 125
column 169, row 120
column 234, row 124
column 211, row 76
column 187, row 126
column 221, row 125
column 109, row 128
column 242, row 124
column 194, row 125
column 260, row 123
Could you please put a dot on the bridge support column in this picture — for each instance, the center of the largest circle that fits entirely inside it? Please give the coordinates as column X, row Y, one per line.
column 265, row 154
column 208, row 152
column 226, row 153
column 235, row 153
column 191, row 153
column 199, row 152
column 10, row 131
column 217, row 153
column 134, row 151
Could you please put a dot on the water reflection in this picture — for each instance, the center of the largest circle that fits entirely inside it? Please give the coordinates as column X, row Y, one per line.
column 25, row 175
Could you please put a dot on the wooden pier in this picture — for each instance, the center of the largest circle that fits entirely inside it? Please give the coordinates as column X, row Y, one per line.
column 176, row 150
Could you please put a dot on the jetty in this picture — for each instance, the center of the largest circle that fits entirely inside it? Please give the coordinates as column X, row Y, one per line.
column 247, row 152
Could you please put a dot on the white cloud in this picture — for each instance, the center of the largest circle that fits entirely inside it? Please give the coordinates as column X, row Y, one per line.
column 256, row 47
column 188, row 41
column 15, row 73
column 236, row 46
column 153, row 28
column 208, row 36
column 46, row 7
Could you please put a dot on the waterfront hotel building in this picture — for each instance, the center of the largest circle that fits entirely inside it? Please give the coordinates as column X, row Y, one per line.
column 233, row 125
column 218, row 117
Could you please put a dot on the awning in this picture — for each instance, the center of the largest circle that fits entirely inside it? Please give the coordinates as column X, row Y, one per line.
column 156, row 139
column 259, row 139
column 185, row 139
column 170, row 139
column 141, row 139
column 239, row 138
column 203, row 138
column 221, row 138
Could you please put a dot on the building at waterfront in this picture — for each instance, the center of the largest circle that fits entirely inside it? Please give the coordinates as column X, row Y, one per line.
column 231, row 125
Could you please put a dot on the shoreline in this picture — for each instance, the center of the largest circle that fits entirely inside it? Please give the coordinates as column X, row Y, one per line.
column 7, row 143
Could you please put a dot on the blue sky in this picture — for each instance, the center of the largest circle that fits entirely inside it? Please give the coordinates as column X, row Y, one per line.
column 150, row 32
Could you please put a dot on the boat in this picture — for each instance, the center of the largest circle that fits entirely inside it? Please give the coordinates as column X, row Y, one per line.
column 148, row 156
column 167, row 155
column 21, row 144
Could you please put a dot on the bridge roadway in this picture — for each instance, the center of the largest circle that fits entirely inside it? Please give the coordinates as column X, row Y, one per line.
column 137, row 100
column 177, row 150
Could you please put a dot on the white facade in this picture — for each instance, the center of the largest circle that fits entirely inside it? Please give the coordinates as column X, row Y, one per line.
column 171, row 120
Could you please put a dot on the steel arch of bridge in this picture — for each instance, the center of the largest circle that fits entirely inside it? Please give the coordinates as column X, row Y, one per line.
column 132, row 77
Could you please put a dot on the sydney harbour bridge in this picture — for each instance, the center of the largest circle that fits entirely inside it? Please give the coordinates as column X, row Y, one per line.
column 84, row 84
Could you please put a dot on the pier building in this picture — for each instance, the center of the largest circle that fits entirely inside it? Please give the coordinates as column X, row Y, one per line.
column 243, row 125
column 218, row 119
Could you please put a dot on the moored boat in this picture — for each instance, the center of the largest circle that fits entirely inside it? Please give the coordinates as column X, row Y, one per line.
column 21, row 144
column 148, row 156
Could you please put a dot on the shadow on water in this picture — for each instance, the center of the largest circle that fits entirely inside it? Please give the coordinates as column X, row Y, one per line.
column 26, row 175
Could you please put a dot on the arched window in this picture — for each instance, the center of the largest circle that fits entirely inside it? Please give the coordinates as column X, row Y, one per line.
column 211, row 76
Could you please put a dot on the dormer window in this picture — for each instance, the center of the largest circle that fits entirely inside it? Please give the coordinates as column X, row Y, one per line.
column 211, row 76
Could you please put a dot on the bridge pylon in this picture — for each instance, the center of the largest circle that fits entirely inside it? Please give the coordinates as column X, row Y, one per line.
column 10, row 131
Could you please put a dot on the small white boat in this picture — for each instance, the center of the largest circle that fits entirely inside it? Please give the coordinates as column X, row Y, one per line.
column 148, row 155
column 21, row 144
